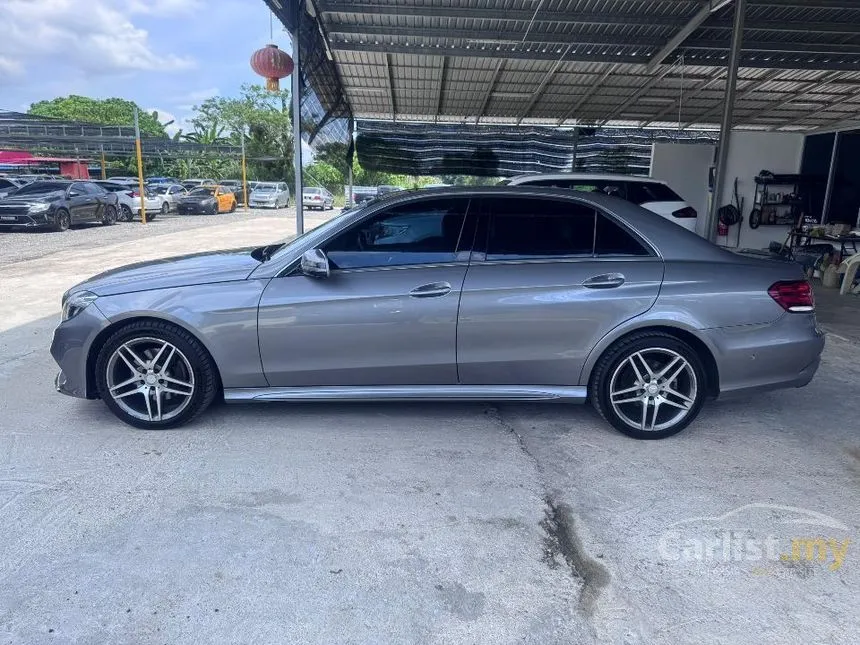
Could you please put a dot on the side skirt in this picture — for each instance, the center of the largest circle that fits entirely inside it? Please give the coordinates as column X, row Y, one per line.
column 574, row 394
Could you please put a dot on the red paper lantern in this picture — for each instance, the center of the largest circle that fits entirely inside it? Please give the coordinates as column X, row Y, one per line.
column 273, row 64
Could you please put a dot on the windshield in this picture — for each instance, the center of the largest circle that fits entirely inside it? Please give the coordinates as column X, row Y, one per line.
column 41, row 187
column 202, row 192
column 160, row 190
column 321, row 230
column 310, row 191
column 266, row 187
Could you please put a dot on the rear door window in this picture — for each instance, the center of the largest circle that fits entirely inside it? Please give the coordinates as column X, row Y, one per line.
column 611, row 239
column 528, row 228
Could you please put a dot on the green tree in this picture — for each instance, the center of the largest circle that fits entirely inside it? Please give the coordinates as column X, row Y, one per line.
column 112, row 111
column 263, row 117
column 323, row 174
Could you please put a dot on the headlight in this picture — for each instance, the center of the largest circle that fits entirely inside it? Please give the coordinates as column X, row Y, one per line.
column 39, row 208
column 76, row 303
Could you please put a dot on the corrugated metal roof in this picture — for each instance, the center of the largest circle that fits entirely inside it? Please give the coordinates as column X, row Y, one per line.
column 569, row 62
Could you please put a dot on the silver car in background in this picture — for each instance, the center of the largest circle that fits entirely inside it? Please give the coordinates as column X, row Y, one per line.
column 169, row 193
column 270, row 194
column 491, row 294
column 314, row 197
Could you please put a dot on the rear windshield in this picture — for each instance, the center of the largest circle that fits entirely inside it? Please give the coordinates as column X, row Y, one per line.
column 310, row 191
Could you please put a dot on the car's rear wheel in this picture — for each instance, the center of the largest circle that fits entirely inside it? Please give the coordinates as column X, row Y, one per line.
column 153, row 375
column 125, row 214
column 62, row 220
column 109, row 215
column 649, row 385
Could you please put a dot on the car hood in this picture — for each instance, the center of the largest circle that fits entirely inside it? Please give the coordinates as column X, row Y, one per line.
column 41, row 198
column 181, row 271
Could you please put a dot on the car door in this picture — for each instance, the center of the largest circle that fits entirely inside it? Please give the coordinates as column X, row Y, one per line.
column 386, row 315
column 82, row 203
column 548, row 279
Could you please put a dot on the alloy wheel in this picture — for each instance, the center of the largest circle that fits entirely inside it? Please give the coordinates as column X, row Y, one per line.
column 653, row 389
column 150, row 379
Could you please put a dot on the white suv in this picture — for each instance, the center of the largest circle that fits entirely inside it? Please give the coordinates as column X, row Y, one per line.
column 652, row 194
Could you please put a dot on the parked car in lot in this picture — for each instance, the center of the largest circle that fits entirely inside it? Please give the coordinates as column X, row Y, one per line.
column 313, row 197
column 128, row 197
column 516, row 293
column 124, row 180
column 235, row 186
column 207, row 200
column 270, row 194
column 385, row 189
column 191, row 184
column 170, row 193
column 652, row 194
column 58, row 205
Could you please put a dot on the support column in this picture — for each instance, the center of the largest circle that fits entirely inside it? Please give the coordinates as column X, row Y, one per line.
column 728, row 116
column 297, row 116
column 831, row 176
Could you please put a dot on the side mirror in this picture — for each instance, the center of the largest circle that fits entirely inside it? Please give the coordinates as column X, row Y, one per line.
column 315, row 264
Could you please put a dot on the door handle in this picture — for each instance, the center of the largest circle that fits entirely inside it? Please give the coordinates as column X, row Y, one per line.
column 431, row 290
column 604, row 281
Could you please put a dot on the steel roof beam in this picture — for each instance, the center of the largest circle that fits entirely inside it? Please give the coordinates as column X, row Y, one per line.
column 522, row 15
column 651, row 82
column 700, row 87
column 792, row 26
column 807, row 88
column 440, row 90
column 542, row 87
column 389, row 74
column 756, row 84
column 821, row 110
column 705, row 10
column 591, row 92
column 492, row 86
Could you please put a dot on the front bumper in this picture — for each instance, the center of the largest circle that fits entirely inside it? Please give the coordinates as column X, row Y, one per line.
column 192, row 209
column 70, row 348
column 27, row 220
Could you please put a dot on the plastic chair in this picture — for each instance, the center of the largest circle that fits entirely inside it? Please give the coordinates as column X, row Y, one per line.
column 849, row 267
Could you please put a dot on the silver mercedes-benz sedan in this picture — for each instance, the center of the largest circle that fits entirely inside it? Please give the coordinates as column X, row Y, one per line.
column 490, row 294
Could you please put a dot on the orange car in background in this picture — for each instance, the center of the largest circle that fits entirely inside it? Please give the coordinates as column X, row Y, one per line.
column 207, row 200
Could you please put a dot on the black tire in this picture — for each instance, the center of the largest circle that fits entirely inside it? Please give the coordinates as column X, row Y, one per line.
column 233, row 207
column 125, row 214
column 165, row 208
column 205, row 374
column 62, row 220
column 109, row 216
column 614, row 362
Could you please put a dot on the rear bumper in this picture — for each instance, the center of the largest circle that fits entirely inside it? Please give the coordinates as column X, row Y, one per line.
column 754, row 358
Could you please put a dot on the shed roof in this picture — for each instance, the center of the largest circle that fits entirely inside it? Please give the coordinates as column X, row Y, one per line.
column 607, row 62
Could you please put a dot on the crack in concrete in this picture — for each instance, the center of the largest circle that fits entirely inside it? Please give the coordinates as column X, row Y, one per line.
column 562, row 539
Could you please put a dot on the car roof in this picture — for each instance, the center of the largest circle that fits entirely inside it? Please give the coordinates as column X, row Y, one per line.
column 671, row 241
column 584, row 176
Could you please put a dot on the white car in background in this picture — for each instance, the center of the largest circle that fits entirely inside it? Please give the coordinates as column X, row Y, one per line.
column 648, row 193
column 270, row 194
column 129, row 200
column 170, row 193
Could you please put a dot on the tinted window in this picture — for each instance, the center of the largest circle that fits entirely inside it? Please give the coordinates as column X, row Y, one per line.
column 5, row 183
column 202, row 192
column 604, row 186
column 93, row 189
column 426, row 232
column 521, row 228
column 641, row 192
column 612, row 239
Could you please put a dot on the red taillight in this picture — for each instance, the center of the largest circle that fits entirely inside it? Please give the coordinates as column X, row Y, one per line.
column 132, row 194
column 688, row 212
column 793, row 296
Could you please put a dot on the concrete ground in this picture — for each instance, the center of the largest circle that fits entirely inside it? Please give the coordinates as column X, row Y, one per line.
column 436, row 523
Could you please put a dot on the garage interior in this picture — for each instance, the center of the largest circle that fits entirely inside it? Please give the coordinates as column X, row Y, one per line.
column 777, row 82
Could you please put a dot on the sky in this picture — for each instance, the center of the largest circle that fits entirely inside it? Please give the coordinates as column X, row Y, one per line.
column 166, row 55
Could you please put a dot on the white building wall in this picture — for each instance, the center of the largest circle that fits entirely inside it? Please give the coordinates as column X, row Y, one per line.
column 749, row 154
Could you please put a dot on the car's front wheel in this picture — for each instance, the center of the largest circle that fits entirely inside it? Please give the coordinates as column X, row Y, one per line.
column 649, row 385
column 62, row 220
column 153, row 375
column 165, row 208
column 109, row 215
